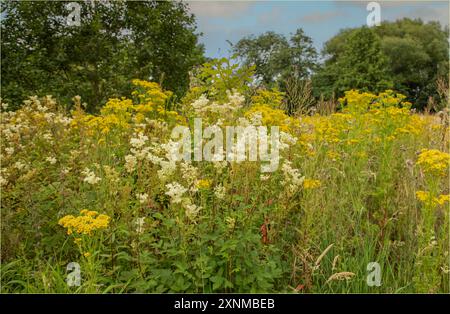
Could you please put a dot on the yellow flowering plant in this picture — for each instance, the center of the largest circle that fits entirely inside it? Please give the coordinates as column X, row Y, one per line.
column 353, row 178
column 434, row 162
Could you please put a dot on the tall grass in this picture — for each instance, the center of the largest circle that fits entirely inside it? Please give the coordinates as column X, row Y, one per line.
column 343, row 196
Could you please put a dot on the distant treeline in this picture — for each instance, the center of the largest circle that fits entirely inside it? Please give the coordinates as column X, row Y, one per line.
column 117, row 41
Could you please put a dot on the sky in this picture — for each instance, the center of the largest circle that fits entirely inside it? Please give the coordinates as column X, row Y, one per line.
column 222, row 21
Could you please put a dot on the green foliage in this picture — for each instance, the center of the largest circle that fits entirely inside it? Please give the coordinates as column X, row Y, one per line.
column 350, row 189
column 218, row 77
column 275, row 57
column 416, row 54
column 115, row 42
column 360, row 65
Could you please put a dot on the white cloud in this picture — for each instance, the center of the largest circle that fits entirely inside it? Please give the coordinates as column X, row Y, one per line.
column 219, row 9
column 271, row 17
column 318, row 17
column 428, row 14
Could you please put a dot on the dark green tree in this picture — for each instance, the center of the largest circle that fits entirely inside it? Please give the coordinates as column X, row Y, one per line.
column 417, row 54
column 276, row 58
column 360, row 65
column 114, row 42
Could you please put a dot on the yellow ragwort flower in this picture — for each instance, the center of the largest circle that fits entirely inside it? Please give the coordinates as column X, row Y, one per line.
column 426, row 198
column 85, row 223
column 434, row 161
column 311, row 184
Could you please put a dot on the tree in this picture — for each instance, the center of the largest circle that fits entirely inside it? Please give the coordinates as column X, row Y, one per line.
column 276, row 58
column 360, row 65
column 114, row 42
column 416, row 54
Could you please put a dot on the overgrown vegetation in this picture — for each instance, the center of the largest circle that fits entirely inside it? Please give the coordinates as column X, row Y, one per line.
column 366, row 184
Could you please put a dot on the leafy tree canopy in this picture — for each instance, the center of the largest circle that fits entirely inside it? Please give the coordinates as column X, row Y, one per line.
column 415, row 53
column 275, row 57
column 115, row 42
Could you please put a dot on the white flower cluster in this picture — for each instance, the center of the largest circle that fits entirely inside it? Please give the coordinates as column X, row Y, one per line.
column 167, row 163
column 219, row 192
column 138, row 151
column 235, row 98
column 142, row 197
column 90, row 177
column 256, row 118
column 202, row 104
column 292, row 177
column 192, row 210
column 130, row 162
column 190, row 174
column 19, row 165
column 140, row 224
column 51, row 160
column 176, row 192
column 139, row 141
column 286, row 140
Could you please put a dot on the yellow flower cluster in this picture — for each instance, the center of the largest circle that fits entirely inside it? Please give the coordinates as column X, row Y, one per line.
column 434, row 161
column 152, row 92
column 332, row 129
column 427, row 198
column 85, row 223
column 271, row 98
column 120, row 113
column 311, row 184
column 273, row 117
column 203, row 184
column 356, row 101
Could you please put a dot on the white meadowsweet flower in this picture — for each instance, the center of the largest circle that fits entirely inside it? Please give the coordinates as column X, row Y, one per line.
column 3, row 181
column 140, row 224
column 90, row 177
column 200, row 103
column 167, row 169
column 139, row 141
column 235, row 98
column 49, row 116
column 51, row 160
column 172, row 150
column 154, row 159
column 19, row 165
column 175, row 191
column 192, row 210
column 47, row 136
column 189, row 172
column 286, row 140
column 9, row 150
column 219, row 192
column 292, row 177
column 130, row 162
column 256, row 118
column 143, row 197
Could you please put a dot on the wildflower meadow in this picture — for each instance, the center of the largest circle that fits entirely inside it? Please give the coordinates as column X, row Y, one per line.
column 224, row 147
column 365, row 185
